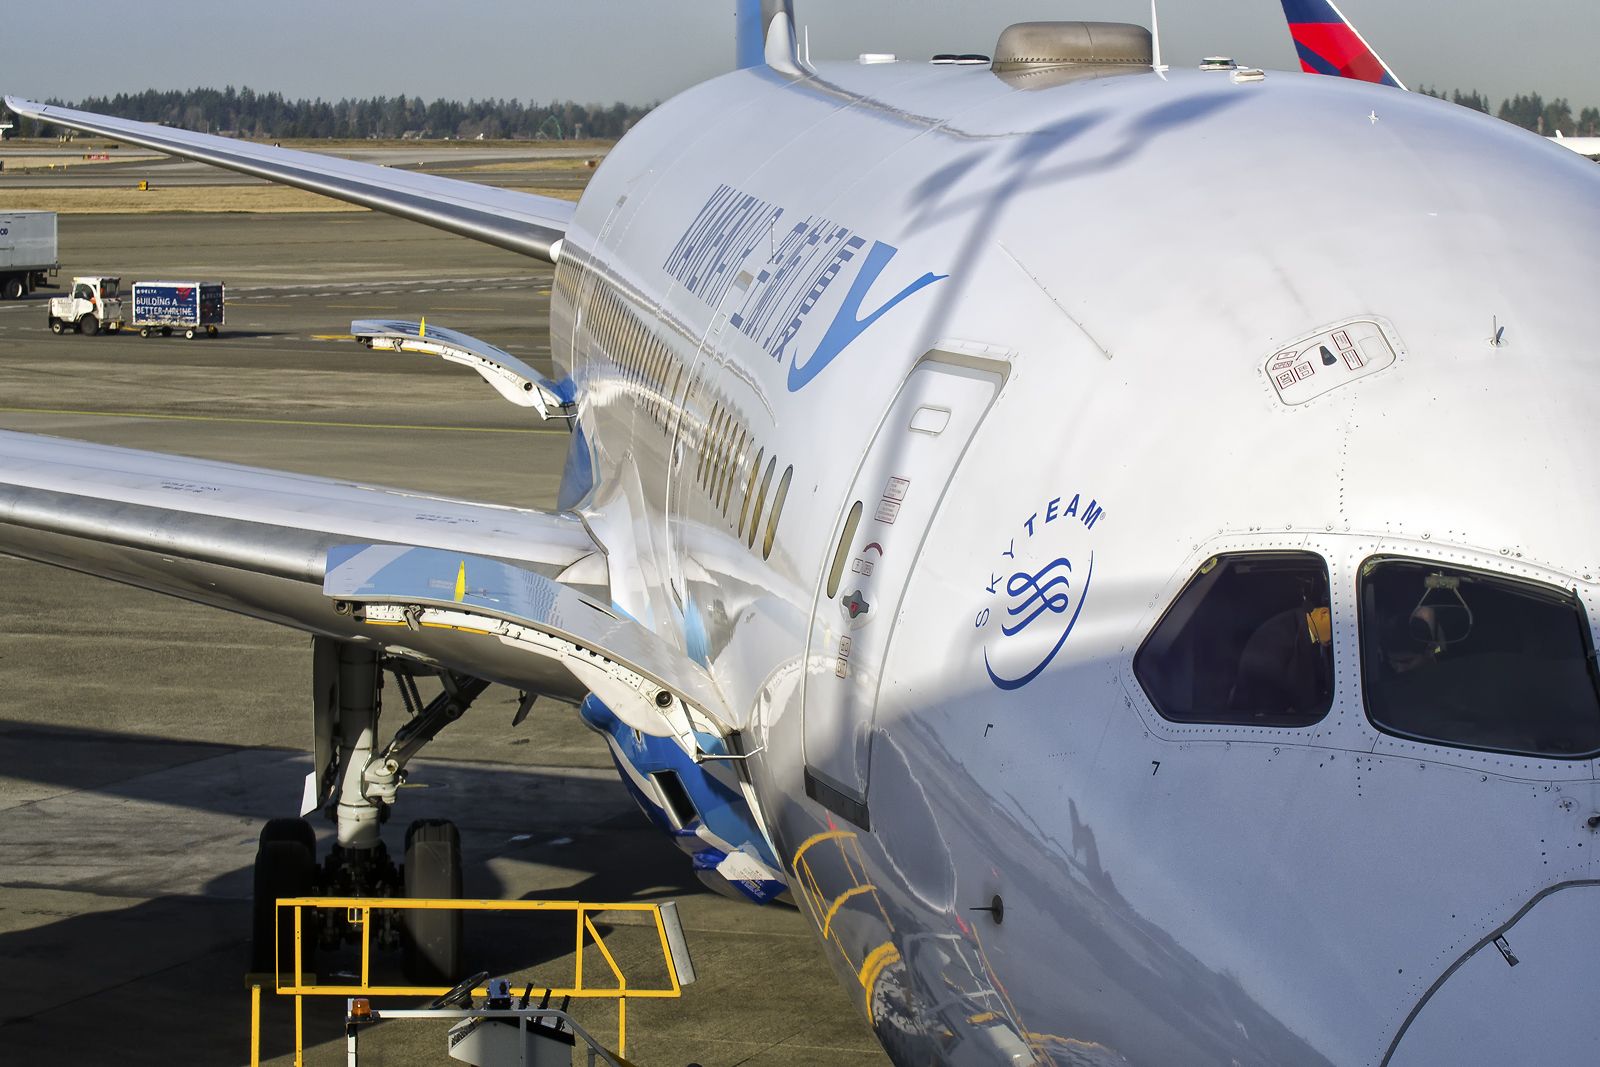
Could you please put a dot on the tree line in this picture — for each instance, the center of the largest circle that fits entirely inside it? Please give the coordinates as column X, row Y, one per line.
column 247, row 113
column 1530, row 111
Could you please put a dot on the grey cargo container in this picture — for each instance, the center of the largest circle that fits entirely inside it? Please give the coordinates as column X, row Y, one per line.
column 28, row 256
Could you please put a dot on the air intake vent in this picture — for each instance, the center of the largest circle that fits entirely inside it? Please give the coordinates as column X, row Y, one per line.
column 1036, row 55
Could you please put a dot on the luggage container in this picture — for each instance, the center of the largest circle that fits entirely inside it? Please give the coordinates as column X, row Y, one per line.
column 192, row 307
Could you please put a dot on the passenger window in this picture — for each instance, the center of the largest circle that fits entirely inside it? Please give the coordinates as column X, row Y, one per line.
column 750, row 490
column 761, row 500
column 733, row 469
column 841, row 552
column 777, row 509
column 1248, row 642
column 1477, row 660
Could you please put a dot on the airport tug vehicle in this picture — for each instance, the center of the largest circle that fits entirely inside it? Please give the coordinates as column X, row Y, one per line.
column 93, row 306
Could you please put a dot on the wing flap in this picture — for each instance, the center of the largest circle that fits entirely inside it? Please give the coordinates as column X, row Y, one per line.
column 522, row 222
column 499, row 620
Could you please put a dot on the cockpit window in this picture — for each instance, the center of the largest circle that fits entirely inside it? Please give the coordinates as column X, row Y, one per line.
column 1247, row 642
column 1477, row 660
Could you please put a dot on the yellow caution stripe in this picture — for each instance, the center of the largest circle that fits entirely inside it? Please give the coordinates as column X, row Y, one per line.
column 879, row 958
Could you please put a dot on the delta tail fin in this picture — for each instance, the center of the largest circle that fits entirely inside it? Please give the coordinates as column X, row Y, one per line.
column 1328, row 44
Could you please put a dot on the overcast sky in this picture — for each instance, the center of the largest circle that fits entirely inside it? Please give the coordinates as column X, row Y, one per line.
column 645, row 50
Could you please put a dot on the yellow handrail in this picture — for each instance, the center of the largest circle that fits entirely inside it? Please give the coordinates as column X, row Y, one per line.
column 358, row 913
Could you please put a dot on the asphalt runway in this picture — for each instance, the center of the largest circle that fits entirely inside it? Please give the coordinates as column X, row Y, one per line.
column 143, row 740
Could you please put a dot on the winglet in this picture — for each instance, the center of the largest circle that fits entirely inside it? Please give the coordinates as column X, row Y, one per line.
column 766, row 36
column 1328, row 44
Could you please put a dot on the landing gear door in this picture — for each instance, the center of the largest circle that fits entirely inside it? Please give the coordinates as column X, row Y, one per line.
column 897, row 492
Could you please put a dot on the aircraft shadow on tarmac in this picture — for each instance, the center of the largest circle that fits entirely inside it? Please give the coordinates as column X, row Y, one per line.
column 136, row 852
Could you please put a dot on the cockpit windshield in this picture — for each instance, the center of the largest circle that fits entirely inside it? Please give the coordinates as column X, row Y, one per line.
column 1248, row 642
column 1478, row 660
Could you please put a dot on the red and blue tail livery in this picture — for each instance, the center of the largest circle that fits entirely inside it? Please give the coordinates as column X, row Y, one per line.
column 1328, row 44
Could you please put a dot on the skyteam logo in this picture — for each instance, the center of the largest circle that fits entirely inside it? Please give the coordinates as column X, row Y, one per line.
column 799, row 263
column 1036, row 587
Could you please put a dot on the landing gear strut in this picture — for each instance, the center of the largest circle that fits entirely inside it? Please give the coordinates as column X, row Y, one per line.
column 356, row 784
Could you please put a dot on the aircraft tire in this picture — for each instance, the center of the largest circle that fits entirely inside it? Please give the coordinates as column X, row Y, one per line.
column 284, row 868
column 432, row 939
column 290, row 830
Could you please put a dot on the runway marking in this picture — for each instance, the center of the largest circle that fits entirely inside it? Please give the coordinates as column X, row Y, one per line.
column 442, row 307
column 274, row 422
column 365, row 307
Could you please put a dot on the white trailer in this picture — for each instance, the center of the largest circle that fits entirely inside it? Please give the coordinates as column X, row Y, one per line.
column 28, row 256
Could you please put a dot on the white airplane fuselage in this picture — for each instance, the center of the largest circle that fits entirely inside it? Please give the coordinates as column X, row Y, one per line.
column 1027, row 327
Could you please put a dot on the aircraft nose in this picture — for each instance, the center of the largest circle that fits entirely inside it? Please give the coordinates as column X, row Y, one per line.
column 1521, row 995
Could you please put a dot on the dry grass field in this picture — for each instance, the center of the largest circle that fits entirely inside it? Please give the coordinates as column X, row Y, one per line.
column 210, row 199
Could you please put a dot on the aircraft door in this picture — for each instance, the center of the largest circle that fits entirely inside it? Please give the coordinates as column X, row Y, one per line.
column 897, row 492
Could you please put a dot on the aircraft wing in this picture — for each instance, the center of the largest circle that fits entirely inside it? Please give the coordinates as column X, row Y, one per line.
column 241, row 538
column 522, row 222
column 511, row 595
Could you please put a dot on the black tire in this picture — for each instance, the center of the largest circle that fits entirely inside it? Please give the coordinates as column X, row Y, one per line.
column 188, row 335
column 297, row 830
column 88, row 325
column 166, row 331
column 144, row 331
column 284, row 868
column 56, row 325
column 432, row 939
column 12, row 289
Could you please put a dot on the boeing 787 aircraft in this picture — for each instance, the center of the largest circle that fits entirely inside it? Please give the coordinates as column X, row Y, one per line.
column 1110, row 544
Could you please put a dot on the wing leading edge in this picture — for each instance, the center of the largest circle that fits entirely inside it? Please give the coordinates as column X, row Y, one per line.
column 245, row 539
column 521, row 222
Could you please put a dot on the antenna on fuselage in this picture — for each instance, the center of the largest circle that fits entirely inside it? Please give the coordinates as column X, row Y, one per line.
column 1155, row 41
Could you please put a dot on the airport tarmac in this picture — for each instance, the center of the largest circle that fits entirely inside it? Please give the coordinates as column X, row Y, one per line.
column 545, row 164
column 143, row 740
